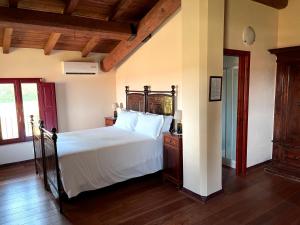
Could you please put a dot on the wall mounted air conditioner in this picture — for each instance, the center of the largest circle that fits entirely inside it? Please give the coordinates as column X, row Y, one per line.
column 80, row 68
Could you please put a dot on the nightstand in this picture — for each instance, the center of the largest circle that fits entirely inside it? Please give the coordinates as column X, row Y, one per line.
column 109, row 121
column 173, row 170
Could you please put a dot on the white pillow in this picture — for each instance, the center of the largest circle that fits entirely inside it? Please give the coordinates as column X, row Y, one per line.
column 137, row 112
column 149, row 125
column 126, row 120
column 167, row 122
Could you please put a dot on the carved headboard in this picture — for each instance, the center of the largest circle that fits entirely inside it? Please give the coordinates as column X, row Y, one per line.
column 135, row 100
column 158, row 102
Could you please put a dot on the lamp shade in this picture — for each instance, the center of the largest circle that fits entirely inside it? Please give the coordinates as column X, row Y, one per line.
column 121, row 105
column 178, row 115
column 115, row 106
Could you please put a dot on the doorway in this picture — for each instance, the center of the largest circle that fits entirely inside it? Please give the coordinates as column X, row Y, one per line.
column 229, row 110
column 235, row 94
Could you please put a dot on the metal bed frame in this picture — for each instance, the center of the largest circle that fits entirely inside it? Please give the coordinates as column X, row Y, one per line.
column 45, row 142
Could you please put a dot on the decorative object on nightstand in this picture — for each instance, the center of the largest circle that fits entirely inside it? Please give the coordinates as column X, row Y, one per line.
column 173, row 171
column 121, row 106
column 178, row 118
column 115, row 106
column 109, row 121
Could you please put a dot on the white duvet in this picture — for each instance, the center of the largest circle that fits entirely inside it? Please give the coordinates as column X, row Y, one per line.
column 96, row 158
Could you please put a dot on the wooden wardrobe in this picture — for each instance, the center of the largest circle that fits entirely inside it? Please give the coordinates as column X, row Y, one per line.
column 286, row 137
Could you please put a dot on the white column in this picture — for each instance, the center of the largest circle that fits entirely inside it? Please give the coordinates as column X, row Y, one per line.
column 203, row 29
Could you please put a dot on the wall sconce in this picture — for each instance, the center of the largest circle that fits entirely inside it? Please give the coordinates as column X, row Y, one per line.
column 249, row 35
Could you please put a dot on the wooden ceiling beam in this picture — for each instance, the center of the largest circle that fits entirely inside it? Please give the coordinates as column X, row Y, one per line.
column 7, row 36
column 13, row 3
column 89, row 46
column 277, row 4
column 151, row 22
column 53, row 39
column 70, row 6
column 118, row 8
column 65, row 24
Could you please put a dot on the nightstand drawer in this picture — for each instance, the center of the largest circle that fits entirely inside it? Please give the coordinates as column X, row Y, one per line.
column 109, row 121
column 173, row 159
column 171, row 141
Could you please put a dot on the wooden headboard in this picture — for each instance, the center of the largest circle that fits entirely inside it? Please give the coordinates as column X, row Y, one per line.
column 158, row 102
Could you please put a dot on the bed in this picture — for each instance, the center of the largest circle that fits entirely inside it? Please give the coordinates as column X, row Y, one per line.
column 92, row 159
column 74, row 162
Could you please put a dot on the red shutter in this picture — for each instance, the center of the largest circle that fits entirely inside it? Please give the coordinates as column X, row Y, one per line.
column 47, row 104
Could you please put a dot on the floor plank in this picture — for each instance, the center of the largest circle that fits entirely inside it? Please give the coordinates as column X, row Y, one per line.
column 257, row 199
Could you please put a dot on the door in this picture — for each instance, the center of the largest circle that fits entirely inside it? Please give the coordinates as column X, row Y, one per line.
column 242, row 108
column 47, row 102
column 293, row 113
column 229, row 110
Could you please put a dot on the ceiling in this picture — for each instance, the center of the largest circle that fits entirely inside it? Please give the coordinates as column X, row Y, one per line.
column 116, row 27
column 130, row 11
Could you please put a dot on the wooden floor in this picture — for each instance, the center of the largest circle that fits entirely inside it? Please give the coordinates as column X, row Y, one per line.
column 259, row 199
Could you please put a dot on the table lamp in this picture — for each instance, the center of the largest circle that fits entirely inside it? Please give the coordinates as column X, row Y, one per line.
column 114, row 107
column 178, row 118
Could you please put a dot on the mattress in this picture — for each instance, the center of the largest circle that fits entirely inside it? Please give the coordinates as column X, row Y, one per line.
column 96, row 158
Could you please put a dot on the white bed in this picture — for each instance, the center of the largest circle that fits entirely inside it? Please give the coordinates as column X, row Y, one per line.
column 96, row 158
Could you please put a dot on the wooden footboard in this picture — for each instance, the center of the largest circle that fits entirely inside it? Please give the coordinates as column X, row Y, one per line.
column 38, row 150
column 46, row 159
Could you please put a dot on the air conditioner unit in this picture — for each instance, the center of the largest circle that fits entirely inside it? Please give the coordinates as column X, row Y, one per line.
column 80, row 68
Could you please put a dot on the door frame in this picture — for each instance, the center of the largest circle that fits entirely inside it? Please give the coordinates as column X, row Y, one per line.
column 242, row 109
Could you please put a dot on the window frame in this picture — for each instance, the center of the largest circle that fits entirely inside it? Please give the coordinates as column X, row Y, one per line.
column 19, row 107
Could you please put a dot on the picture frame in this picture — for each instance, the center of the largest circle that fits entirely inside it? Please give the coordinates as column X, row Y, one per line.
column 215, row 88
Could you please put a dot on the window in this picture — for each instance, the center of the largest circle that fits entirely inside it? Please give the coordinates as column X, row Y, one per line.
column 30, row 105
column 20, row 98
column 8, row 112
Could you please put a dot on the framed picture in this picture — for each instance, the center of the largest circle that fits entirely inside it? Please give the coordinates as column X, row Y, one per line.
column 215, row 88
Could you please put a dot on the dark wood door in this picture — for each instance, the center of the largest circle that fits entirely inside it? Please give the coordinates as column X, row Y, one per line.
column 293, row 110
column 47, row 100
column 286, row 139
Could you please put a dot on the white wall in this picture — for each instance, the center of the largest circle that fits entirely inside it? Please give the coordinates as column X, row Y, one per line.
column 157, row 63
column 16, row 152
column 239, row 14
column 82, row 101
column 289, row 25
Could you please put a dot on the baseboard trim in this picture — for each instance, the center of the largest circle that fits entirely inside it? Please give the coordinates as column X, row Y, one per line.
column 16, row 163
column 203, row 199
column 259, row 164
column 287, row 172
